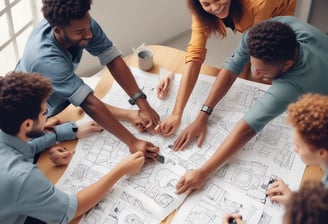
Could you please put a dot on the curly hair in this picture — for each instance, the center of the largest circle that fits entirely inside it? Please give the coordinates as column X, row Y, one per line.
column 21, row 97
column 213, row 24
column 61, row 12
column 272, row 41
column 309, row 117
column 309, row 205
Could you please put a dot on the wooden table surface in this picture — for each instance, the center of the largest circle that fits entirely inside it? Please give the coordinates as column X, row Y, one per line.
column 164, row 57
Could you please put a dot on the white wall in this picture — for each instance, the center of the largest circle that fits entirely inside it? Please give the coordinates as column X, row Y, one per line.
column 130, row 23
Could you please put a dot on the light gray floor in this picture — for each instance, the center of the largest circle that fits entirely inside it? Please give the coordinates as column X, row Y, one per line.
column 217, row 49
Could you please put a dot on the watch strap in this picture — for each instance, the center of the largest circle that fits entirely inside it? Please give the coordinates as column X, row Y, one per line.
column 206, row 109
column 136, row 96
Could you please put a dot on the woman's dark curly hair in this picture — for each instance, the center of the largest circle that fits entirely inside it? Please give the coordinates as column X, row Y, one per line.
column 213, row 24
column 61, row 12
column 309, row 205
column 21, row 97
column 272, row 41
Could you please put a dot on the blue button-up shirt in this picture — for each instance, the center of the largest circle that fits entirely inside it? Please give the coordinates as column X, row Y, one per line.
column 43, row 54
column 24, row 190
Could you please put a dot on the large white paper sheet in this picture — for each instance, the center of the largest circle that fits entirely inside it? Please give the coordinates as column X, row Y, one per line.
column 149, row 196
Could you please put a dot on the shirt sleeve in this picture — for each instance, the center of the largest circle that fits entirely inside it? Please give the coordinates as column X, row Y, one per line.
column 61, row 133
column 40, row 199
column 196, row 50
column 271, row 104
column 65, row 82
column 239, row 58
column 101, row 46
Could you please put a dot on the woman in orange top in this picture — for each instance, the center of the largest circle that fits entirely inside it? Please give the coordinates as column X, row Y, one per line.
column 212, row 17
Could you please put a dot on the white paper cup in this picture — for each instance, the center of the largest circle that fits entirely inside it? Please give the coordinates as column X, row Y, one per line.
column 145, row 58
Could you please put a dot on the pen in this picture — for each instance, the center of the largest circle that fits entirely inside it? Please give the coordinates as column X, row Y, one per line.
column 232, row 221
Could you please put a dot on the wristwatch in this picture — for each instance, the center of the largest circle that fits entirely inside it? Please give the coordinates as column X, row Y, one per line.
column 206, row 109
column 136, row 96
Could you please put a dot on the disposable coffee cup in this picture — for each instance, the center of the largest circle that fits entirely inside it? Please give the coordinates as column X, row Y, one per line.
column 145, row 58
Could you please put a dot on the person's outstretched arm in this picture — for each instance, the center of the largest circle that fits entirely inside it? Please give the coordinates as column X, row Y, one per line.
column 98, row 111
column 91, row 195
column 198, row 128
column 126, row 80
column 190, row 75
column 195, row 179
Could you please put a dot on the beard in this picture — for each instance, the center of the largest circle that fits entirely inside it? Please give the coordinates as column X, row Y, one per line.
column 74, row 43
column 35, row 133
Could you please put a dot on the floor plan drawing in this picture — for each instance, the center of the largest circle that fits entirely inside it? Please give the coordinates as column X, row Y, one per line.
column 149, row 196
column 212, row 203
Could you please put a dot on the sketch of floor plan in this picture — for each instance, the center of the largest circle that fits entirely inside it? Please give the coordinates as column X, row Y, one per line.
column 148, row 197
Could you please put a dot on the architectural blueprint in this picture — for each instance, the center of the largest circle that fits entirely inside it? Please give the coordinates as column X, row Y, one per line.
column 148, row 197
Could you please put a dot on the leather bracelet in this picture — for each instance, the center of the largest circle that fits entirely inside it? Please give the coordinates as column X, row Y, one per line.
column 206, row 109
column 136, row 96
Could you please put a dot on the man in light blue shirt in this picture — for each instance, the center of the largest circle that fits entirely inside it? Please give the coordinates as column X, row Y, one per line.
column 55, row 48
column 285, row 50
column 24, row 190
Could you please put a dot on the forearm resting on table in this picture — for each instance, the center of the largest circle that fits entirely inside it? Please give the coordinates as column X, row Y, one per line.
column 237, row 138
column 91, row 195
column 98, row 111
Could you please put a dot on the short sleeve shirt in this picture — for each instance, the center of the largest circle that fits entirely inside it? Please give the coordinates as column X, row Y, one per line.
column 43, row 54
column 308, row 74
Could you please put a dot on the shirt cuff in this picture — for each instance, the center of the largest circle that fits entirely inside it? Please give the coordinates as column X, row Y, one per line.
column 65, row 131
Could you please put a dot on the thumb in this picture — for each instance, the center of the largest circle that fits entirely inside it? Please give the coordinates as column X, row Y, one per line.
column 200, row 139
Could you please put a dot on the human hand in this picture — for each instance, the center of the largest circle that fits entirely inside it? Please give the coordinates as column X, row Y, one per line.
column 87, row 129
column 136, row 120
column 197, row 129
column 132, row 163
column 149, row 119
column 60, row 155
column 191, row 180
column 51, row 122
column 237, row 219
column 163, row 87
column 169, row 125
column 149, row 150
column 279, row 192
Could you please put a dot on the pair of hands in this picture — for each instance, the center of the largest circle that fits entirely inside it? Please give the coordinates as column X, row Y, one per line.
column 60, row 155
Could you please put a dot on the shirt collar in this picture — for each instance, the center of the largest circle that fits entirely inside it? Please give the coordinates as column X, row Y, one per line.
column 17, row 144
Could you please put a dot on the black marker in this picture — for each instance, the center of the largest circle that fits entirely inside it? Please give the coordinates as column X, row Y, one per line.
column 160, row 158
column 232, row 221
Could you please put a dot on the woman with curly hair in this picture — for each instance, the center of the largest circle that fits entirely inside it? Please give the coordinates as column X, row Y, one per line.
column 213, row 17
column 309, row 119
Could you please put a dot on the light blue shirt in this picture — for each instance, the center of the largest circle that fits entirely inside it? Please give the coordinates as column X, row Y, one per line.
column 24, row 190
column 308, row 75
column 43, row 54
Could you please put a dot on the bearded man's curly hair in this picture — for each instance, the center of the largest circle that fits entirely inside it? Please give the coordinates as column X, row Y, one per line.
column 61, row 12
column 272, row 42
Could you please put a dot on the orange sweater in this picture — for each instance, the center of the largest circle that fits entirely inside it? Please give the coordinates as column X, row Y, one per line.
column 254, row 11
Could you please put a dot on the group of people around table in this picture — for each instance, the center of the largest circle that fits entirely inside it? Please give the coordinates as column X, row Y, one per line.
column 280, row 49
